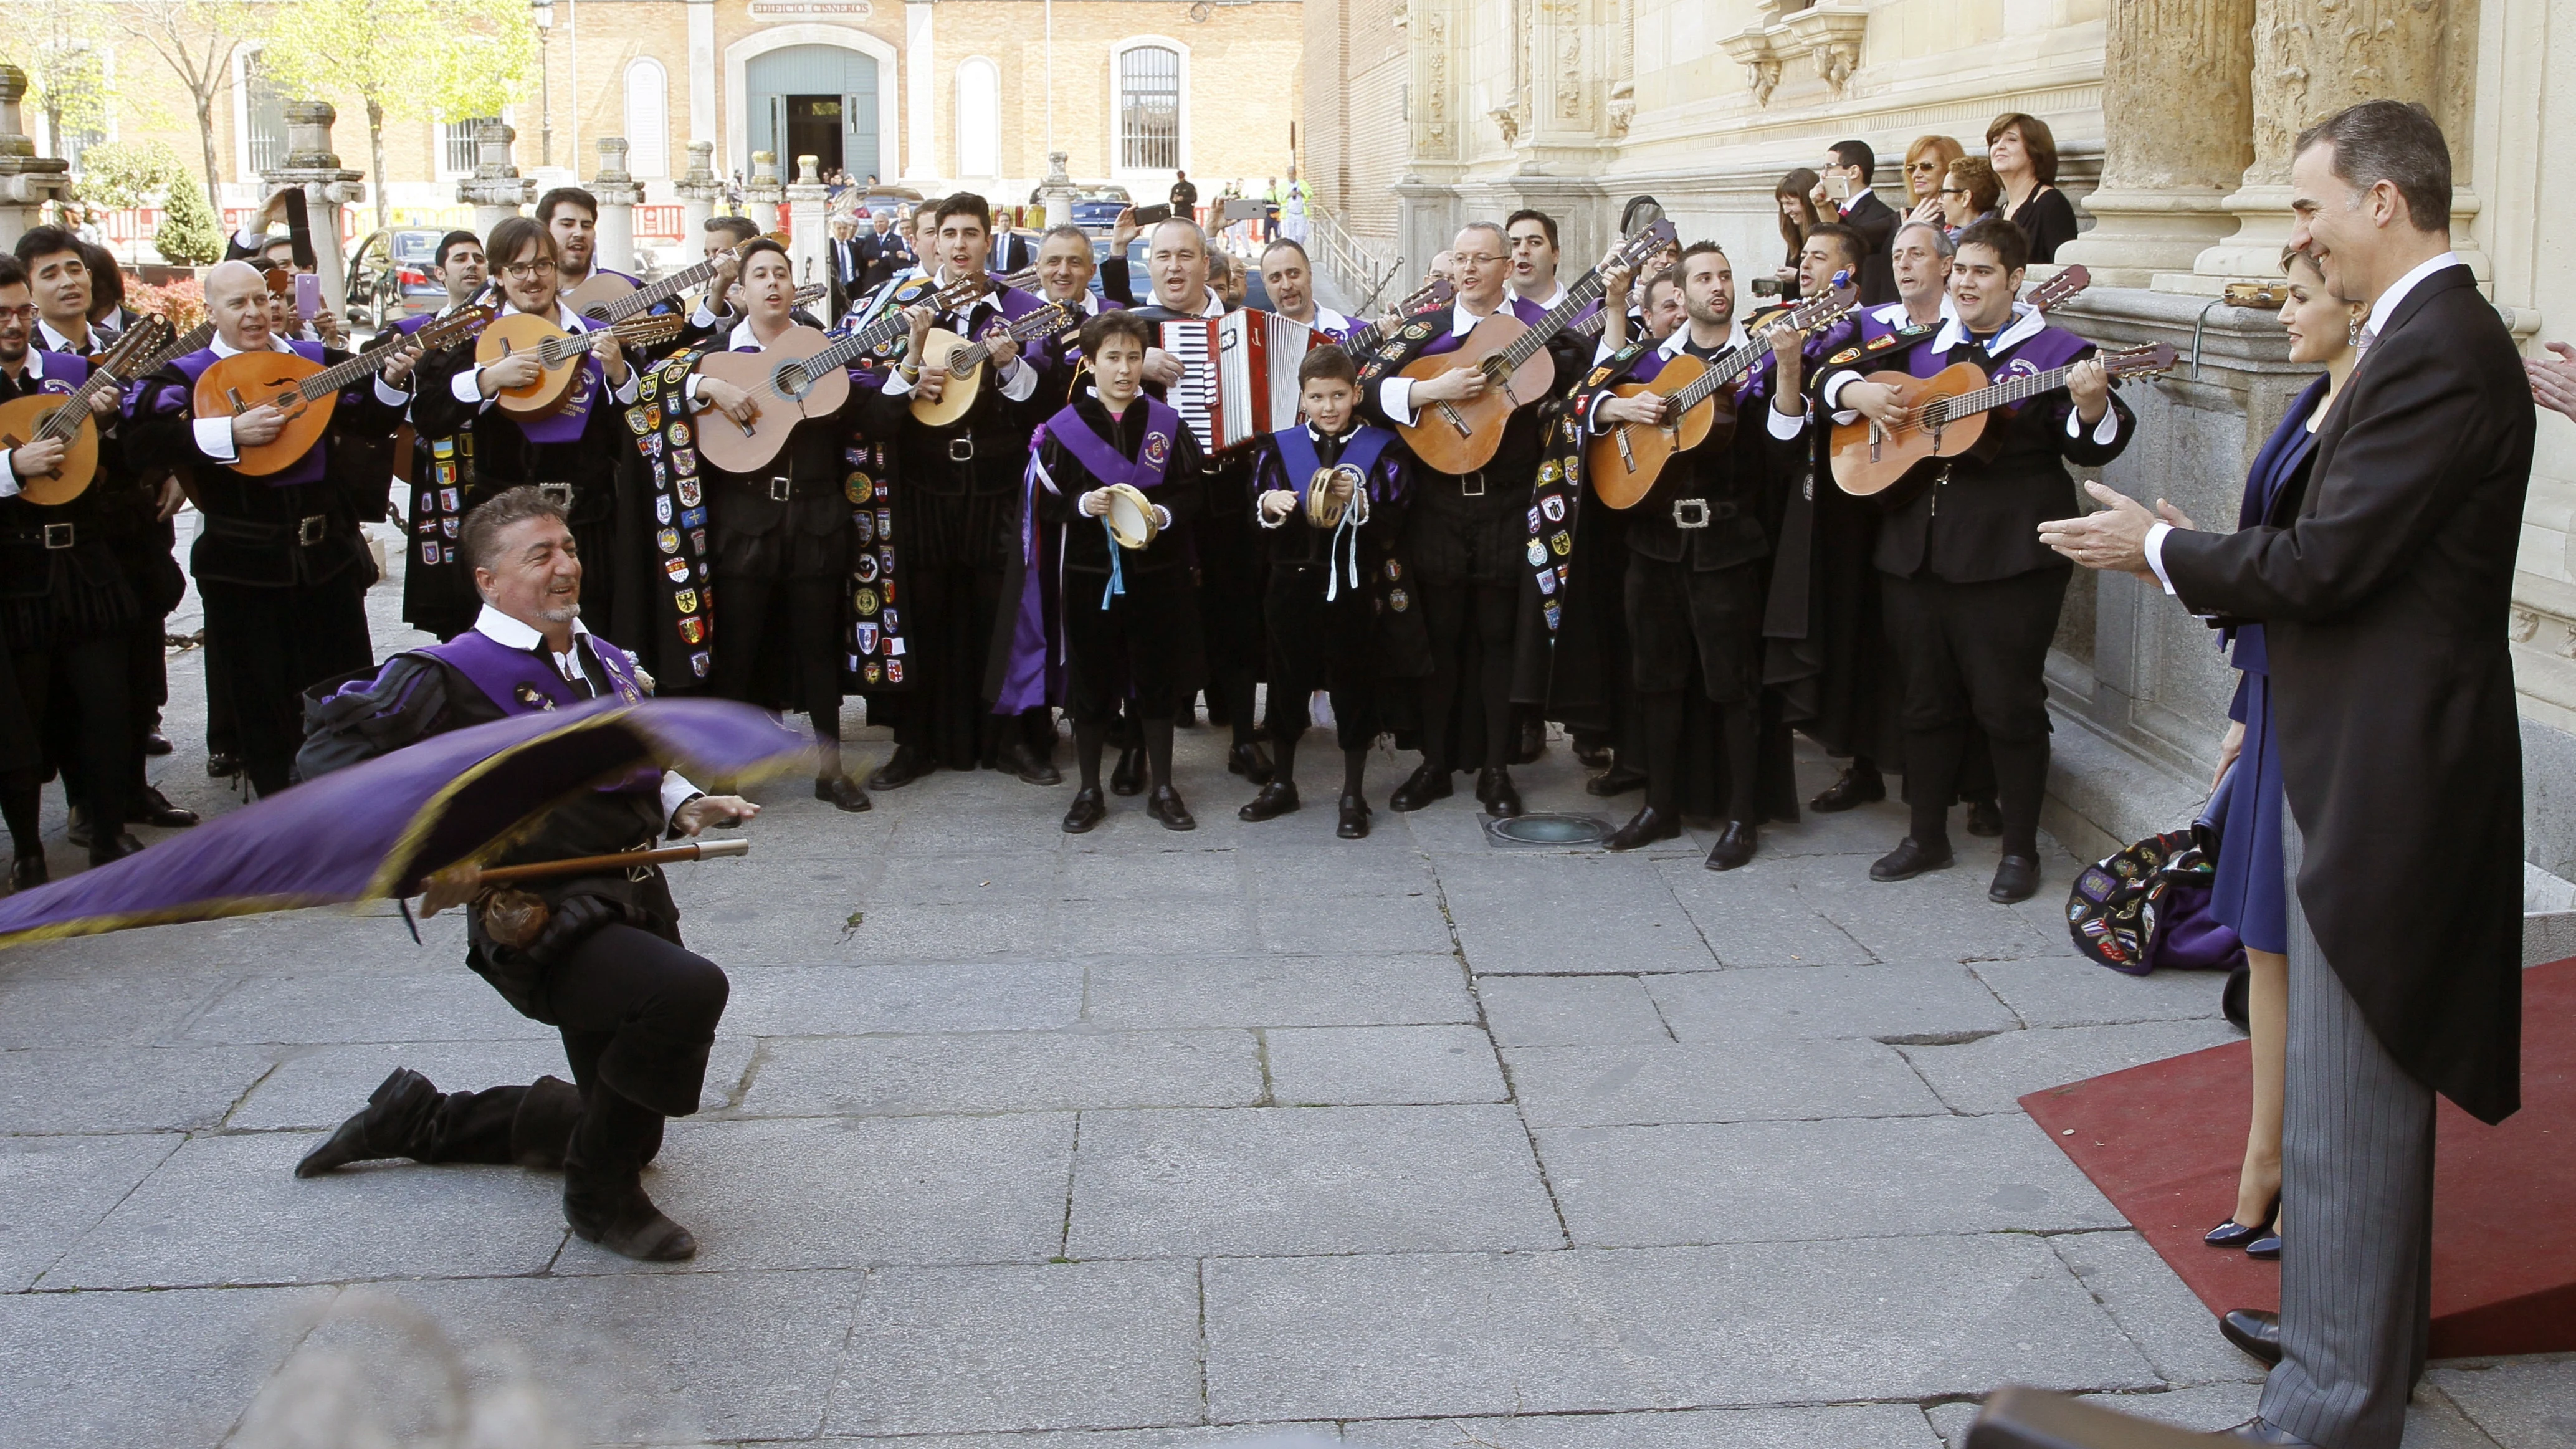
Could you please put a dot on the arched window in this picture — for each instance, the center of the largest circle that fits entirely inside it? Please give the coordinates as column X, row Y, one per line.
column 979, row 118
column 648, row 119
column 1149, row 108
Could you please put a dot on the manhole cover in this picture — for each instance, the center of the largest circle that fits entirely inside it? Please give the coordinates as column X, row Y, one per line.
column 1548, row 831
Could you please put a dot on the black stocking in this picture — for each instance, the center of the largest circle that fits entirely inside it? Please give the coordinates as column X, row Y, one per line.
column 2021, row 779
column 1088, row 738
column 1354, row 771
column 21, row 801
column 1932, row 778
column 1660, row 716
column 1743, row 760
column 1158, row 748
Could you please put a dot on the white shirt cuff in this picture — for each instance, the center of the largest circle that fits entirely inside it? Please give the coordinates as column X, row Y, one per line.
column 896, row 384
column 390, row 395
column 1395, row 399
column 215, row 439
column 1602, row 351
column 2105, row 432
column 1020, row 383
column 249, row 240
column 676, row 791
column 1833, row 393
column 468, row 386
column 2155, row 549
column 631, row 389
column 8, row 473
column 703, row 319
column 1785, row 426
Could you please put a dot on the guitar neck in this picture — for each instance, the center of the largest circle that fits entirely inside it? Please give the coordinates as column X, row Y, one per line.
column 2004, row 394
column 867, row 339
column 336, row 378
column 966, row 361
column 1725, row 368
column 653, row 294
column 1582, row 294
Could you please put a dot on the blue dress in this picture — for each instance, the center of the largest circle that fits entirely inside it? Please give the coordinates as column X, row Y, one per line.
column 2250, row 893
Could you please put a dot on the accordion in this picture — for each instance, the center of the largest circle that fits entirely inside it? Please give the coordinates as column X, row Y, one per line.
column 1239, row 374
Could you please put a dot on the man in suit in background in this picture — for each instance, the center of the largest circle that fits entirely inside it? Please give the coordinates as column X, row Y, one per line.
column 1846, row 175
column 2383, row 592
column 850, row 259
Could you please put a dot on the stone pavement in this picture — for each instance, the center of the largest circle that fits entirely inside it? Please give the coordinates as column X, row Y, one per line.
column 1138, row 1139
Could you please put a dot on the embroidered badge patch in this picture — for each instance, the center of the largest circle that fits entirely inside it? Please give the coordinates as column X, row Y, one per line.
column 686, row 601
column 693, row 629
column 1537, row 554
column 1157, row 448
column 688, row 491
column 1562, row 543
column 526, row 694
column 1848, row 354
column 1876, row 343
column 676, row 570
column 864, row 600
column 864, row 568
column 661, row 508
column 668, row 540
column 1554, row 507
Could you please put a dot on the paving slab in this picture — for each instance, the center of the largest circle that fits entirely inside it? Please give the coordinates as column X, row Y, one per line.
column 1306, row 1180
column 1529, row 1011
column 1829, row 1426
column 449, row 1003
column 1053, row 1346
column 1846, row 1178
column 1943, row 915
column 1903, row 1001
column 1762, row 920
column 2168, row 1323
column 1148, row 874
column 53, row 1189
column 1182, row 925
column 1191, row 1436
column 1992, row 1075
column 1754, row 1080
column 1602, row 1330
column 1535, row 912
column 120, row 1369
column 1359, row 1065
column 2525, row 1402
column 1075, row 1067
column 1307, row 925
column 2074, row 991
column 59, row 996
column 319, row 1087
column 1269, row 991
column 124, row 1089
column 955, row 996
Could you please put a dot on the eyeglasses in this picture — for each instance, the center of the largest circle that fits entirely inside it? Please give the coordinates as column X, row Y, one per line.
column 23, row 313
column 523, row 271
column 1478, row 259
column 1952, row 191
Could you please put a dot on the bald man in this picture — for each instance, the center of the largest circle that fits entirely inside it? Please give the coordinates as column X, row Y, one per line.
column 279, row 559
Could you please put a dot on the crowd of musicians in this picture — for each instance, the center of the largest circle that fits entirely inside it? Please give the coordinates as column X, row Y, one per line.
column 1044, row 521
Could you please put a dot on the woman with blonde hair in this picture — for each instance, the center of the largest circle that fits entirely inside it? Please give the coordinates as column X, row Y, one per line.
column 1926, row 162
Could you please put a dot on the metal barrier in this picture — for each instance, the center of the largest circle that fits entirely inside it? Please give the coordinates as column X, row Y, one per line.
column 1362, row 270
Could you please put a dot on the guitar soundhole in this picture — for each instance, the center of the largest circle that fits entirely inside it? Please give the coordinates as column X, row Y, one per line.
column 793, row 383
column 1936, row 413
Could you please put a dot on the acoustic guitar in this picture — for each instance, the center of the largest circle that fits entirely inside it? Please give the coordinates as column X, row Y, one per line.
column 1624, row 460
column 71, row 419
column 305, row 390
column 1438, row 292
column 559, row 353
column 801, row 375
column 605, row 297
column 1945, row 415
column 962, row 362
column 1461, row 437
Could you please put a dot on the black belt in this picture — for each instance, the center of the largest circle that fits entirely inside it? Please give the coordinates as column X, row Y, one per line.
column 1689, row 513
column 1471, row 484
column 558, row 494
column 304, row 532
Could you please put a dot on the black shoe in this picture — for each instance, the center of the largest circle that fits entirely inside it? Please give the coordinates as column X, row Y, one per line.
column 1086, row 811
column 220, row 766
column 1592, row 754
column 1420, row 788
column 2255, row 1330
column 1494, row 786
column 154, row 808
column 1909, row 860
column 2259, row 1430
column 2016, row 879
column 382, row 1130
column 901, row 768
column 28, row 872
column 843, row 792
column 1127, row 777
column 2267, row 1247
column 156, row 743
column 2232, row 1234
column 1020, row 760
column 1250, row 760
column 636, row 1230
column 1645, row 827
column 1985, row 819
column 1857, row 787
column 1532, row 742
column 1276, row 799
column 79, row 833
column 1735, row 846
column 1165, row 805
column 1355, row 818
column 1616, row 781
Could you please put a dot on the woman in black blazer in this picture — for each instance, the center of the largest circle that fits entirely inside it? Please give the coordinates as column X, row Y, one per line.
column 2023, row 152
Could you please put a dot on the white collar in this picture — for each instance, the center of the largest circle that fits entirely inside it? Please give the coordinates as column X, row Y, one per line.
column 1548, row 301
column 52, row 341
column 501, row 629
column 2386, row 306
column 1895, row 315
column 36, row 363
column 1326, row 320
column 1462, row 321
column 2024, row 326
column 563, row 316
column 1214, row 307
column 1855, row 200
column 743, row 339
column 225, row 349
column 1671, row 347
column 1357, row 423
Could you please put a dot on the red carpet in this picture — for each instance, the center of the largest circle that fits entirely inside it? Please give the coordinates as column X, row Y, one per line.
column 2164, row 1141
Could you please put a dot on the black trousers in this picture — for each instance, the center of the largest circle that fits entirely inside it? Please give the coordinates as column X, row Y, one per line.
column 1231, row 569
column 638, row 1015
column 269, row 645
column 79, row 696
column 1127, row 649
column 950, row 620
column 1975, row 653
column 1319, row 645
column 812, row 635
column 1472, row 627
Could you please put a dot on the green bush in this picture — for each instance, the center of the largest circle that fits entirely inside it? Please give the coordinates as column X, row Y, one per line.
column 115, row 175
column 188, row 235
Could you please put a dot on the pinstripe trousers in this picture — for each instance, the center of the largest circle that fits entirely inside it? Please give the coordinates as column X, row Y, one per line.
column 2356, row 1212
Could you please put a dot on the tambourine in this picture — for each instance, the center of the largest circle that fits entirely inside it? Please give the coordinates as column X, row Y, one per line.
column 1131, row 517
column 1324, row 510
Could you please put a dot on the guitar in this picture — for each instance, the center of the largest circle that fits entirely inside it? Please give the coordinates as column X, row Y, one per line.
column 962, row 362
column 607, row 298
column 559, row 352
column 1945, row 415
column 1461, row 437
column 305, row 390
column 1624, row 460
column 801, row 375
column 71, row 419
column 1435, row 293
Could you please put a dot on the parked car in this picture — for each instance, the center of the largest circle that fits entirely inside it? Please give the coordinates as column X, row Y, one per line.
column 389, row 276
column 1096, row 208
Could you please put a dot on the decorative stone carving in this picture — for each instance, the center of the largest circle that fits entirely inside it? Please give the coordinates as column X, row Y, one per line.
column 27, row 180
column 2178, row 111
column 1758, row 50
column 699, row 189
column 809, row 204
column 496, row 189
column 1623, row 107
column 1507, row 119
column 1830, row 36
column 312, row 165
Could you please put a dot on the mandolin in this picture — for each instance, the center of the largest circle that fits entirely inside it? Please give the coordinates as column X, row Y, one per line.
column 560, row 353
column 1624, row 460
column 801, row 375
column 962, row 362
column 305, row 390
column 71, row 418
column 1434, row 293
column 1945, row 415
column 1461, row 437
column 606, row 297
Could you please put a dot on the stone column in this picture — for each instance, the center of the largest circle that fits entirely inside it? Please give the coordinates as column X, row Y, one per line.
column 328, row 186
column 702, row 70
column 762, row 194
column 27, row 180
column 2312, row 58
column 809, row 202
column 496, row 189
column 618, row 195
column 2177, row 115
column 1055, row 193
column 920, row 162
column 699, row 190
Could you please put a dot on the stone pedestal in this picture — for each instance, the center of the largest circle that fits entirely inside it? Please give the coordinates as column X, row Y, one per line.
column 496, row 189
column 328, row 186
column 1055, row 193
column 763, row 195
column 809, row 204
column 2177, row 108
column 699, row 189
column 27, row 180
column 619, row 195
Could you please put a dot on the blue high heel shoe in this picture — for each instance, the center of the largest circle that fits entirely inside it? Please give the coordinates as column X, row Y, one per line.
column 2232, row 1234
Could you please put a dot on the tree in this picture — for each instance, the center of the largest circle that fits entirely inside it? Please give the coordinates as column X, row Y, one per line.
column 405, row 60
column 188, row 235
column 197, row 40
column 115, row 175
column 60, row 45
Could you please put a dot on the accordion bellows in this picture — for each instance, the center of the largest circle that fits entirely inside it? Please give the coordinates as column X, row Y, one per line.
column 1240, row 378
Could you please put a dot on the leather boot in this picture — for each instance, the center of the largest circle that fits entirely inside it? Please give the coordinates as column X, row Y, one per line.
column 1420, row 788
column 393, row 1114
column 901, row 768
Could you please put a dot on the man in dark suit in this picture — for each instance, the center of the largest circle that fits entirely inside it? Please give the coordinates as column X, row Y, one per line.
column 2383, row 592
column 848, row 260
column 1846, row 180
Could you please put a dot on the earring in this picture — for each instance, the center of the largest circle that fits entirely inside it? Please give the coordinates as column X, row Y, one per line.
column 2353, row 332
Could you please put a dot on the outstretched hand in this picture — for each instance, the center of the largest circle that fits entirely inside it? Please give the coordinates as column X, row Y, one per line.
column 2113, row 540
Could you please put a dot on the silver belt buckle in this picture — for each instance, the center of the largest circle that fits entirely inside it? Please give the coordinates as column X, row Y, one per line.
column 58, row 535
column 558, row 494
column 961, row 450
column 1472, row 485
column 779, row 488
column 1690, row 513
column 310, row 528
